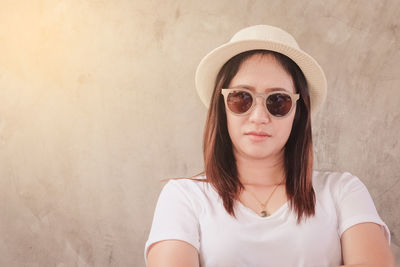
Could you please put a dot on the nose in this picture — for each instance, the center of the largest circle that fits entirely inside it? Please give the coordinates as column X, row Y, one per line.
column 259, row 114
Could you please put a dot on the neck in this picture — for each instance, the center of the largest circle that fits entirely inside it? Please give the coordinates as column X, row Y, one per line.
column 260, row 172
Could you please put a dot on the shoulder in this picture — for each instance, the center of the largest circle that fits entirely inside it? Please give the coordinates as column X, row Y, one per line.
column 336, row 182
column 187, row 189
column 186, row 184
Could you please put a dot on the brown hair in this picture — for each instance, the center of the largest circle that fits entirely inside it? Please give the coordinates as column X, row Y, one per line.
column 219, row 161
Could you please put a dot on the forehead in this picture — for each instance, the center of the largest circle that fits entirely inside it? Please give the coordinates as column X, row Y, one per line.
column 262, row 73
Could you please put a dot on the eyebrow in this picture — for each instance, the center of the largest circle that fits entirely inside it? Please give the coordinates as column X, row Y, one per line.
column 251, row 88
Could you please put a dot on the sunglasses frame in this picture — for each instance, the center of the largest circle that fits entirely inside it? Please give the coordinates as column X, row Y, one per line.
column 226, row 91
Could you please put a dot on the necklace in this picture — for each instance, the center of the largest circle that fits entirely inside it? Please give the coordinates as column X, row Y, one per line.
column 263, row 205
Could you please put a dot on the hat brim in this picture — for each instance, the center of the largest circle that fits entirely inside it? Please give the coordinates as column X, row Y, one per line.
column 211, row 64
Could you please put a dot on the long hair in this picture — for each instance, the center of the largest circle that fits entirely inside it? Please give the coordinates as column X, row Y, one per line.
column 219, row 161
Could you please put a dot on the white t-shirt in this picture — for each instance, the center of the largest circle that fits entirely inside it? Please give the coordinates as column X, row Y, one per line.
column 192, row 211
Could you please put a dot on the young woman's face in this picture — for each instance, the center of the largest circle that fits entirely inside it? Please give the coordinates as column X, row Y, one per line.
column 258, row 135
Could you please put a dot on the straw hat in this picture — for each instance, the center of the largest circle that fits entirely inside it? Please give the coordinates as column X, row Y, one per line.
column 261, row 37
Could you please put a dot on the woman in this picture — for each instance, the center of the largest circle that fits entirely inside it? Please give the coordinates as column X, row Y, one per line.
column 259, row 203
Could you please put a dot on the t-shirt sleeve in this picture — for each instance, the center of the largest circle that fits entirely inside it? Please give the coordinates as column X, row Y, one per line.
column 174, row 217
column 355, row 205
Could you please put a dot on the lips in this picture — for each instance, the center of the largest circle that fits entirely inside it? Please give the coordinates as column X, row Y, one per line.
column 257, row 136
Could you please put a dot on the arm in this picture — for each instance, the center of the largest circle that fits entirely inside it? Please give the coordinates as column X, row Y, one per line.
column 174, row 236
column 364, row 244
column 172, row 253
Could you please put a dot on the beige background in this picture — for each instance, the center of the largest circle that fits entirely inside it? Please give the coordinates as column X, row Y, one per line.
column 97, row 105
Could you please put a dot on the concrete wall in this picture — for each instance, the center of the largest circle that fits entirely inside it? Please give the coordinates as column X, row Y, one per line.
column 97, row 105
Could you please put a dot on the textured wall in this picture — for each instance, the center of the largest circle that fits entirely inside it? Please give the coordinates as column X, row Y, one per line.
column 97, row 104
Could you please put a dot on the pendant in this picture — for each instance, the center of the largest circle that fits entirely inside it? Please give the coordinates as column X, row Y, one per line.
column 263, row 213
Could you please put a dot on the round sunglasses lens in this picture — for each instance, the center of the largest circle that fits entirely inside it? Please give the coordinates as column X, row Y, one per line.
column 239, row 101
column 279, row 104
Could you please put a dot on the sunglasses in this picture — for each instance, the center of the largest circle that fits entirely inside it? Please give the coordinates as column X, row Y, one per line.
column 242, row 101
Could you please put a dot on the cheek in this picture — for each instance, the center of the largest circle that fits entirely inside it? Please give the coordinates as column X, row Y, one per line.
column 286, row 128
column 233, row 123
column 286, row 131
